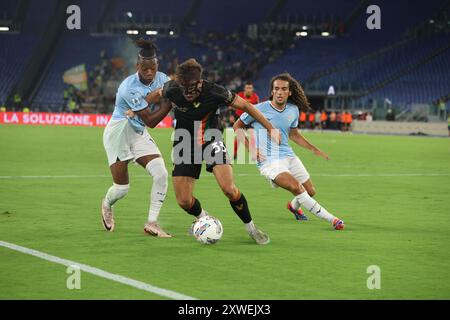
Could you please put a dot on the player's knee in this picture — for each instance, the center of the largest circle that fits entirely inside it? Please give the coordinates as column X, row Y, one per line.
column 296, row 188
column 311, row 191
column 157, row 170
column 161, row 176
column 230, row 191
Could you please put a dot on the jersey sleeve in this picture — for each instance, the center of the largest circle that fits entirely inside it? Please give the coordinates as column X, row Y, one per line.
column 294, row 123
column 246, row 119
column 164, row 77
column 224, row 96
column 134, row 99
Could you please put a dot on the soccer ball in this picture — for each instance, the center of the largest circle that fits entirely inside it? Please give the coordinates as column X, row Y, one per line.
column 208, row 230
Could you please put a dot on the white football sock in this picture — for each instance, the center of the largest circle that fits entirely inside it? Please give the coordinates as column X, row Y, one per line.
column 116, row 192
column 158, row 171
column 314, row 207
column 202, row 214
column 295, row 204
column 250, row 227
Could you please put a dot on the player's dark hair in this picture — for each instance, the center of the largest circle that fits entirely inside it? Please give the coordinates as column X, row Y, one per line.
column 189, row 71
column 148, row 49
column 298, row 96
column 248, row 83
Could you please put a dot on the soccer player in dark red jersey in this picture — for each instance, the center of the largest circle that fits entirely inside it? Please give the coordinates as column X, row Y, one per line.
column 249, row 95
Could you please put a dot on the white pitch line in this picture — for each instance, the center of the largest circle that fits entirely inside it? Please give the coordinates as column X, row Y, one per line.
column 383, row 175
column 100, row 273
column 57, row 177
column 239, row 175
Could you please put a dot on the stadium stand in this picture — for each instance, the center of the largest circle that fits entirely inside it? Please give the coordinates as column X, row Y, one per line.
column 13, row 59
column 405, row 61
column 8, row 10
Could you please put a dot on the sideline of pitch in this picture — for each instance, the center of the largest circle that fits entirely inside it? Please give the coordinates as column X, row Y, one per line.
column 99, row 272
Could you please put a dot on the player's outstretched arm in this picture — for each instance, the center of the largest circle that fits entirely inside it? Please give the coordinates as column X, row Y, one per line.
column 245, row 106
column 240, row 129
column 152, row 118
column 299, row 139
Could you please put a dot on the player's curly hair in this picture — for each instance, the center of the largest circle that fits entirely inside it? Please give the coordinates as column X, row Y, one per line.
column 189, row 71
column 298, row 96
column 148, row 48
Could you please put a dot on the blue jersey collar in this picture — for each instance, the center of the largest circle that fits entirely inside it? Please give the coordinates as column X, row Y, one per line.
column 278, row 110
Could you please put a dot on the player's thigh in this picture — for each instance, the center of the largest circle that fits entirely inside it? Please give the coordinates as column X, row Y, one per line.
column 287, row 181
column 184, row 189
column 119, row 172
column 298, row 170
column 144, row 148
column 300, row 173
column 271, row 169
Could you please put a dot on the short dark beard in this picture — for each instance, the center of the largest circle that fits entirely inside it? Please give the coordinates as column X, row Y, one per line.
column 143, row 81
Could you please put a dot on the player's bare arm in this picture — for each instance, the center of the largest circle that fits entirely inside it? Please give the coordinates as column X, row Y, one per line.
column 240, row 128
column 154, row 96
column 151, row 98
column 152, row 118
column 247, row 107
column 300, row 140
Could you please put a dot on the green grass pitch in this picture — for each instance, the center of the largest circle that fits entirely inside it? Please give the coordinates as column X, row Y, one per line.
column 392, row 192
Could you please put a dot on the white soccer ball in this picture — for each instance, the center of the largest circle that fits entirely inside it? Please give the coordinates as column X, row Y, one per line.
column 208, row 230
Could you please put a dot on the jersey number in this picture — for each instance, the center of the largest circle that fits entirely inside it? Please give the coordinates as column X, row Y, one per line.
column 219, row 146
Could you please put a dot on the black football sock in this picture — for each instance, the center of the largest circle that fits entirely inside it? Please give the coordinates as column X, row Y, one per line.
column 196, row 208
column 241, row 208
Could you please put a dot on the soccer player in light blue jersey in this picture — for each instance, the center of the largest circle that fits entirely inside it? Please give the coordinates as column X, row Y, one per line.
column 126, row 138
column 279, row 164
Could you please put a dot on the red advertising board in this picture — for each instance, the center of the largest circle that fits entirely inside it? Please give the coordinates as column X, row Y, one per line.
column 64, row 119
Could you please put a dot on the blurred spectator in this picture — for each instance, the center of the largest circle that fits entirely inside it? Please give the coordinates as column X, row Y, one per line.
column 17, row 102
column 302, row 120
column 323, row 120
column 349, row 121
column 441, row 106
column 390, row 115
column 73, row 106
column 317, row 119
column 338, row 121
column 344, row 121
column 369, row 117
column 65, row 95
column 332, row 120
column 311, row 120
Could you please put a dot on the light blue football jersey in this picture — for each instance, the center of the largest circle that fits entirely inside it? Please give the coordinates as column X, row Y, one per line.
column 283, row 120
column 131, row 95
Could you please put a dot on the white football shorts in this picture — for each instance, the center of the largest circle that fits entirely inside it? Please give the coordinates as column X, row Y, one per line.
column 122, row 142
column 293, row 165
